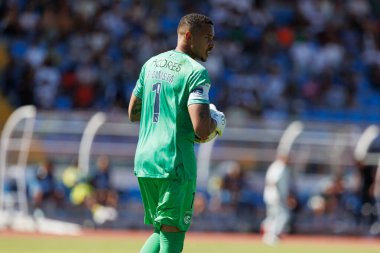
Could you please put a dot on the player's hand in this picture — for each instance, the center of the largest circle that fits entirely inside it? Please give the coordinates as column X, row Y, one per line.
column 219, row 118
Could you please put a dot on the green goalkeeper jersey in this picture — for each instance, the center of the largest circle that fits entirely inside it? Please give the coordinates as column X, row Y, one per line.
column 167, row 84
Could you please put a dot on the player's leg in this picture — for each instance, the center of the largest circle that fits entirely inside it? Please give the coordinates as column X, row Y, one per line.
column 269, row 225
column 281, row 220
column 170, row 241
column 174, row 213
column 152, row 244
column 149, row 193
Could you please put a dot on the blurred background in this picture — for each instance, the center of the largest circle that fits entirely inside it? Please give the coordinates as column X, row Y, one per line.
column 68, row 68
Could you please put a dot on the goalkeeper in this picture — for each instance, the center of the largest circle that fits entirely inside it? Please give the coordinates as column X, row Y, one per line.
column 171, row 102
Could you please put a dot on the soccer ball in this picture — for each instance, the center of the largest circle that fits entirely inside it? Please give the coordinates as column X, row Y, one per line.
column 209, row 138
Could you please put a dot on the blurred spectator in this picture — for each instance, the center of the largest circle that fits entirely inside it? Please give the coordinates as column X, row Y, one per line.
column 232, row 185
column 10, row 193
column 95, row 191
column 71, row 176
column 367, row 210
column 333, row 195
column 337, row 203
column 105, row 194
column 47, row 80
column 374, row 76
column 200, row 204
column 43, row 187
column 231, row 194
column 226, row 187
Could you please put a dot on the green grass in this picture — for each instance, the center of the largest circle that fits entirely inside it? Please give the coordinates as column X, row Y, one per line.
column 130, row 244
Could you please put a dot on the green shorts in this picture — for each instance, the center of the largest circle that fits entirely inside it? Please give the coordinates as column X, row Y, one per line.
column 168, row 201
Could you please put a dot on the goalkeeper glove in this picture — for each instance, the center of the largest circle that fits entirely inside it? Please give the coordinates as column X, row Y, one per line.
column 219, row 118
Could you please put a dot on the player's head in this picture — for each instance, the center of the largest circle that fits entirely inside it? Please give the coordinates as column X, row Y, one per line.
column 196, row 35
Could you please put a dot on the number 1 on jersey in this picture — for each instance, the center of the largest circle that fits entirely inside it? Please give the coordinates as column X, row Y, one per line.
column 156, row 88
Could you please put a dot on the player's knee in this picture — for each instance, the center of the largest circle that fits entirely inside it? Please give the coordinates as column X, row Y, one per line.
column 167, row 228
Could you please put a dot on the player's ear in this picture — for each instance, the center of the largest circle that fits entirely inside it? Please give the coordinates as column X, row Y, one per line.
column 188, row 36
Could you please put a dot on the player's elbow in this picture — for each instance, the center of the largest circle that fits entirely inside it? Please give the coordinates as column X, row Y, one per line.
column 202, row 132
column 134, row 118
column 201, row 135
column 134, row 109
column 203, row 129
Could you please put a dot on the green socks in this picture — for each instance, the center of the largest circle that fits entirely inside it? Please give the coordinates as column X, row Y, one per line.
column 171, row 242
column 164, row 242
column 152, row 244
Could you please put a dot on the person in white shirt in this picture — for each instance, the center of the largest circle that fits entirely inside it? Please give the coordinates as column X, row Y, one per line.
column 276, row 193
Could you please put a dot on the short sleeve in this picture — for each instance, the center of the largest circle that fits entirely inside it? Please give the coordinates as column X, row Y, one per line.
column 199, row 87
column 139, row 88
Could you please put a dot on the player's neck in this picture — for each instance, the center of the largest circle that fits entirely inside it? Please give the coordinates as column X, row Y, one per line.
column 184, row 49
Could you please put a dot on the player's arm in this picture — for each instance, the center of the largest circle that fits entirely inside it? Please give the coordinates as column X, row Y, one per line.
column 201, row 119
column 134, row 109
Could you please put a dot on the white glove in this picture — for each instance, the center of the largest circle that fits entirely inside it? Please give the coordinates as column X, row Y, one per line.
column 219, row 118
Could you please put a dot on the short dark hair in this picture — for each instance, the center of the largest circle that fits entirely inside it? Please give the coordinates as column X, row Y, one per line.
column 194, row 20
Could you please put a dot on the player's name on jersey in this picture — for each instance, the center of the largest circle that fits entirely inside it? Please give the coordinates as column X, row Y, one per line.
column 164, row 63
column 161, row 75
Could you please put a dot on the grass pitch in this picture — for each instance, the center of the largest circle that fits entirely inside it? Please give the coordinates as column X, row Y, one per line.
column 195, row 243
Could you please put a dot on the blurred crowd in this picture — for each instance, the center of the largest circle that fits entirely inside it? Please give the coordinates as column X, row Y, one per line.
column 272, row 58
column 54, row 193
